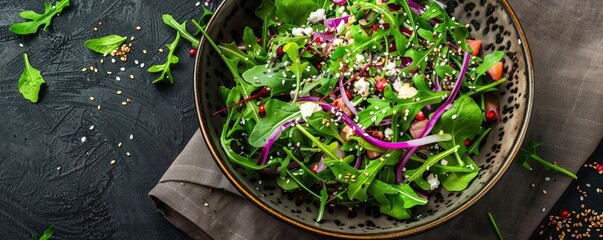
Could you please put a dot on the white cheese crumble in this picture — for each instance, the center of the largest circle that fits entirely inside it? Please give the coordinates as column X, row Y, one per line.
column 388, row 132
column 390, row 69
column 302, row 31
column 362, row 87
column 359, row 58
column 308, row 108
column 433, row 181
column 317, row 16
column 404, row 90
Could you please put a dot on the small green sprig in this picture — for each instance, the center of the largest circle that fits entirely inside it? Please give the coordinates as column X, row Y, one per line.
column 165, row 70
column 530, row 153
column 36, row 19
column 47, row 234
column 495, row 226
column 180, row 28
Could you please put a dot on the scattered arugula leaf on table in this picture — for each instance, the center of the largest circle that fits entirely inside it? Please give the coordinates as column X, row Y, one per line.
column 37, row 19
column 180, row 28
column 203, row 20
column 105, row 45
column 30, row 81
column 46, row 235
column 165, row 70
column 530, row 153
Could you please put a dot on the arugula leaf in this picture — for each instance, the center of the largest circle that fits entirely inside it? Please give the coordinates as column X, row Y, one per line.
column 462, row 121
column 474, row 148
column 165, row 70
column 274, row 76
column 254, row 50
column 395, row 200
column 530, row 153
column 232, row 51
column 489, row 61
column 181, row 28
column 294, row 12
column 46, row 235
column 30, row 81
column 321, row 121
column 277, row 113
column 297, row 67
column 287, row 183
column 416, row 175
column 38, row 20
column 324, row 196
column 203, row 20
column 267, row 12
column 105, row 45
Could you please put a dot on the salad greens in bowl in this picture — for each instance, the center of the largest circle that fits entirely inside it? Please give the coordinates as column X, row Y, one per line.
column 363, row 119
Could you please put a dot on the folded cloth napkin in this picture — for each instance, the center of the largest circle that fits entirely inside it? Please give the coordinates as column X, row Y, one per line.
column 566, row 38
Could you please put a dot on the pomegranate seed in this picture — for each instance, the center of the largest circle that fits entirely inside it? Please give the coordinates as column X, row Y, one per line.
column 262, row 110
column 467, row 142
column 600, row 167
column 192, row 52
column 259, row 41
column 393, row 7
column 348, row 94
column 386, row 26
column 564, row 214
column 420, row 116
column 453, row 65
column 392, row 47
column 264, row 92
column 318, row 40
column 490, row 115
column 375, row 27
column 280, row 52
column 377, row 134
column 381, row 84
column 318, row 67
column 315, row 168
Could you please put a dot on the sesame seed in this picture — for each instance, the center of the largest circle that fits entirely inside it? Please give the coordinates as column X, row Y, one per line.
column 136, row 62
column 206, row 204
column 131, row 76
column 102, row 61
column 144, row 51
column 132, row 38
column 128, row 154
column 119, row 145
column 122, row 69
column 109, row 73
column 113, row 60
column 124, row 103
column 91, row 127
column 83, row 139
column 119, row 92
column 84, row 69
column 98, row 107
column 138, row 28
column 129, row 101
column 112, row 162
column 118, row 78
column 91, row 98
column 161, row 50
column 544, row 191
column 20, row 44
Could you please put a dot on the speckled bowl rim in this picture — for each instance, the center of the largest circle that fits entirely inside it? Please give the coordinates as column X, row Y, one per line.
column 404, row 233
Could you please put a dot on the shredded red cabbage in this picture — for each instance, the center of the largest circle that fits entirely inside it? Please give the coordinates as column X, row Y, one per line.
column 334, row 22
column 345, row 98
column 436, row 116
column 359, row 161
column 266, row 149
column 382, row 144
column 340, row 2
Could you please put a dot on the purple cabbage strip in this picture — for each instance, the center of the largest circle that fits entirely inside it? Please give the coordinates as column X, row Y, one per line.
column 452, row 45
column 382, row 144
column 345, row 98
column 334, row 22
column 412, row 4
column 326, row 37
column 359, row 162
column 437, row 86
column 308, row 99
column 385, row 122
column 266, row 149
column 339, row 2
column 436, row 116
column 406, row 61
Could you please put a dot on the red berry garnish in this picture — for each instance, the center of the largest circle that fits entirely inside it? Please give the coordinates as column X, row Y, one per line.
column 318, row 67
column 315, row 168
column 192, row 52
column 259, row 41
column 392, row 47
column 564, row 214
column 599, row 167
column 381, row 84
column 490, row 115
column 262, row 110
column 420, row 116
column 280, row 52
column 467, row 142
column 375, row 27
column 348, row 94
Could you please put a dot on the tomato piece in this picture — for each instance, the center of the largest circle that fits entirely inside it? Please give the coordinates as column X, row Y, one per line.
column 475, row 45
column 496, row 71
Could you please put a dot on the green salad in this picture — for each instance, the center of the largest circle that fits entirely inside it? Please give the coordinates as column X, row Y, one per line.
column 359, row 102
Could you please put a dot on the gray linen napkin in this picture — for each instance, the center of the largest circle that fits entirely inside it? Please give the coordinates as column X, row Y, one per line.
column 566, row 38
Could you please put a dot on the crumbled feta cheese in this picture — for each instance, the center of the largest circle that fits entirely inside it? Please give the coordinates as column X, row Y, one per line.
column 388, row 132
column 404, row 90
column 337, row 42
column 317, row 16
column 390, row 69
column 308, row 108
column 340, row 27
column 362, row 87
column 359, row 58
column 433, row 181
column 302, row 31
column 341, row 9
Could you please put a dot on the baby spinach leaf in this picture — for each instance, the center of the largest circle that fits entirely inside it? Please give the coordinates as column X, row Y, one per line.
column 287, row 183
column 462, row 121
column 277, row 114
column 165, row 70
column 294, row 12
column 416, row 175
column 38, row 20
column 105, row 45
column 358, row 188
column 458, row 181
column 252, row 47
column 274, row 76
column 489, row 61
column 30, row 81
column 181, row 28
